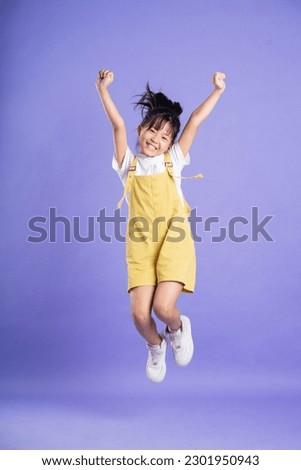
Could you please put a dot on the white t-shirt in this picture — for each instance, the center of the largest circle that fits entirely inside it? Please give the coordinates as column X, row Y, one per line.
column 153, row 165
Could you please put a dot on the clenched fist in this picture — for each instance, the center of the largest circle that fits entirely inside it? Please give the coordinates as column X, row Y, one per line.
column 105, row 78
column 218, row 80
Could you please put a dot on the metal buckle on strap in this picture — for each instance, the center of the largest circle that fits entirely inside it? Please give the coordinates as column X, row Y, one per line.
column 168, row 164
column 132, row 168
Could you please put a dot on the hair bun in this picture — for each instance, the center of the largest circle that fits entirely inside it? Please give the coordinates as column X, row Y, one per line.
column 177, row 108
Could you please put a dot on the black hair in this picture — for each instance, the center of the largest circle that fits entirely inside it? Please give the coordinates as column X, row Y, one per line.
column 157, row 110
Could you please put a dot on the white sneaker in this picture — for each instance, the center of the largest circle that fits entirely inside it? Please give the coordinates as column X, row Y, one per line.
column 156, row 365
column 181, row 342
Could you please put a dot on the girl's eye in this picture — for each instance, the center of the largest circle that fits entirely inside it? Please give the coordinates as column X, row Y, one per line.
column 164, row 138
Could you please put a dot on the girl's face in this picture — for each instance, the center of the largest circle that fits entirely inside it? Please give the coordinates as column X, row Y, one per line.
column 153, row 141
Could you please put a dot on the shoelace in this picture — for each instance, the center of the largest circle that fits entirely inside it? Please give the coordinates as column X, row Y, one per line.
column 175, row 339
column 154, row 356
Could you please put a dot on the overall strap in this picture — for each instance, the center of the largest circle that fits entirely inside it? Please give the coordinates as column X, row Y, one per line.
column 129, row 180
column 169, row 166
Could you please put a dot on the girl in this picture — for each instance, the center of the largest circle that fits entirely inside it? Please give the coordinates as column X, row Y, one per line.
column 160, row 264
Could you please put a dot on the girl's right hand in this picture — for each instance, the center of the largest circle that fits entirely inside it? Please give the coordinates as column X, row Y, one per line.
column 105, row 78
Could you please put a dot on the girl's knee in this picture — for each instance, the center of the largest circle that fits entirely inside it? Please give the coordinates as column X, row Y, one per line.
column 141, row 304
column 140, row 315
column 164, row 311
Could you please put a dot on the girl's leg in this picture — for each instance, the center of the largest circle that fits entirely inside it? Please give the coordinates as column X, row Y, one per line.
column 164, row 306
column 141, row 307
column 164, row 303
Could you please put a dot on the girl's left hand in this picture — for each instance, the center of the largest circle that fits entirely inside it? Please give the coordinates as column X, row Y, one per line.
column 218, row 80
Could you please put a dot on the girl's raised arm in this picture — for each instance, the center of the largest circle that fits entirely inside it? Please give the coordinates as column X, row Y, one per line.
column 200, row 113
column 105, row 79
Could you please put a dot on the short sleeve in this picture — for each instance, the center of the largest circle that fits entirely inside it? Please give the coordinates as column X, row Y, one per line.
column 178, row 158
column 123, row 171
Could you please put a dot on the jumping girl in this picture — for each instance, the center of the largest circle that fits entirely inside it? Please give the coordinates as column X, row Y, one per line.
column 160, row 253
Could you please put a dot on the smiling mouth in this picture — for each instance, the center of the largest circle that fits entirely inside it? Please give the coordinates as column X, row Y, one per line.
column 151, row 146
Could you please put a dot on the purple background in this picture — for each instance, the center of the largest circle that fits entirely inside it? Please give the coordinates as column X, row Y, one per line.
column 72, row 363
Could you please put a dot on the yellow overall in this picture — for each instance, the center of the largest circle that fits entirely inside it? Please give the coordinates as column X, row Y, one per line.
column 159, row 245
